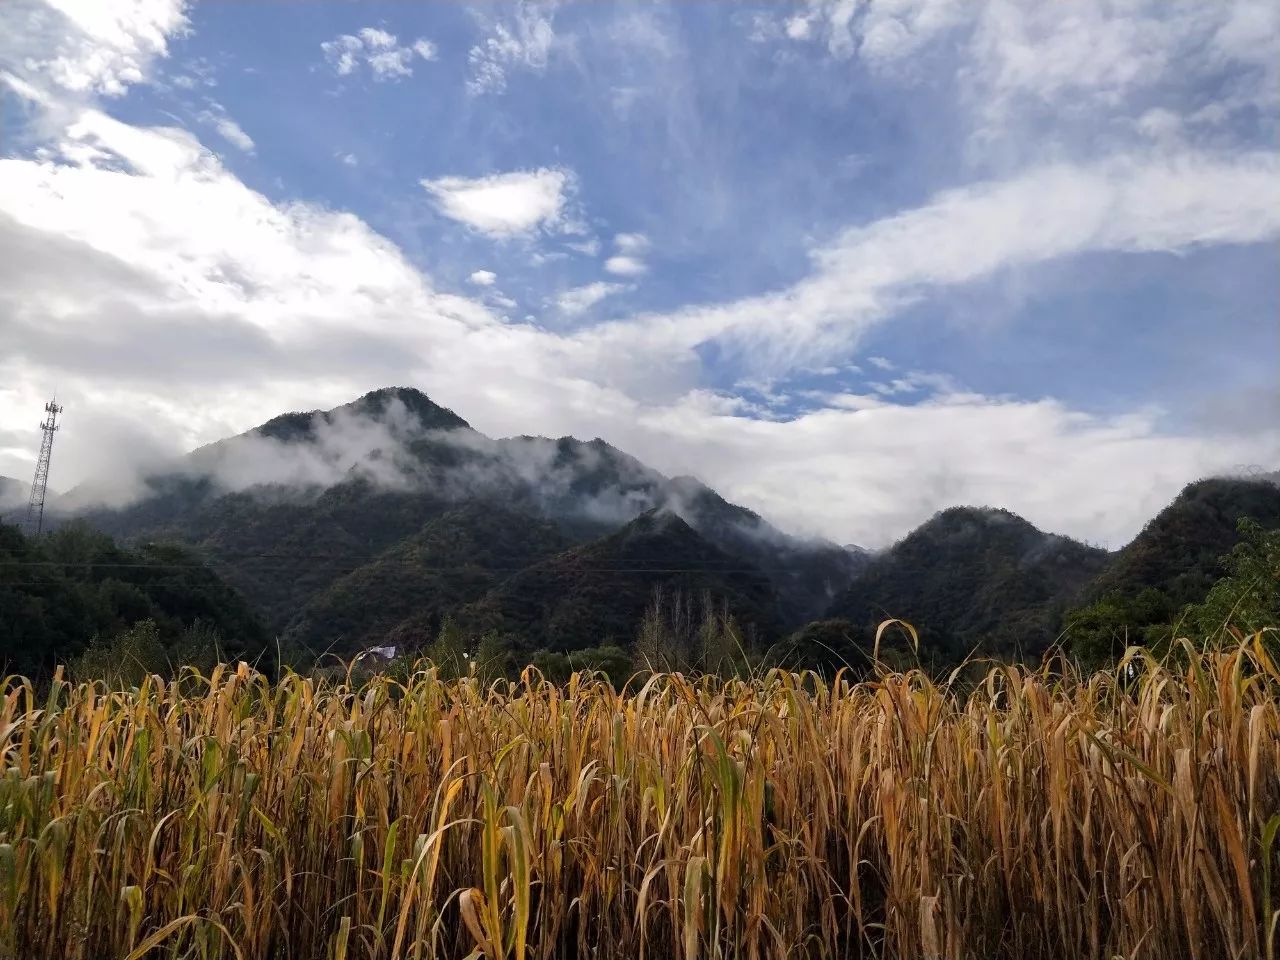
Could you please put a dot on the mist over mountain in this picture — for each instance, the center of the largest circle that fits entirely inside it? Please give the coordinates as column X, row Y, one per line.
column 292, row 510
column 13, row 495
column 372, row 522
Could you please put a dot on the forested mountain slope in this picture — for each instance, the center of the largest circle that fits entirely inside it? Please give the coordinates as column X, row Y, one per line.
column 597, row 594
column 291, row 509
column 973, row 579
column 61, row 592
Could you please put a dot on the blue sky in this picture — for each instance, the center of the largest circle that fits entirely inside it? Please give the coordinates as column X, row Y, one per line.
column 848, row 262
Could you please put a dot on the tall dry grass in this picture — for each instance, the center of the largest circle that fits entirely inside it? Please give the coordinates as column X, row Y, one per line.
column 1127, row 814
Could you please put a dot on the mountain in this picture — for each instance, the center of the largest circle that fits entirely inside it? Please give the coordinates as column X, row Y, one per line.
column 597, row 594
column 1174, row 562
column 808, row 574
column 973, row 579
column 389, row 403
column 1179, row 551
column 403, row 594
column 291, row 511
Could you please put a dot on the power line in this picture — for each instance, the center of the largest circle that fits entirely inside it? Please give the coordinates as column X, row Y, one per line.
column 485, row 568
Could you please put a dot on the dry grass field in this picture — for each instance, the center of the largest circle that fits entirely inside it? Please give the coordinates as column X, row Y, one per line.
column 1032, row 815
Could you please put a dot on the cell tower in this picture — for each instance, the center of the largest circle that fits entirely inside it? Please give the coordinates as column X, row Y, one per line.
column 35, row 506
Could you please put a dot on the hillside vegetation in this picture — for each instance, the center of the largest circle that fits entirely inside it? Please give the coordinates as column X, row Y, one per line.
column 403, row 595
column 1148, row 587
column 973, row 580
column 75, row 589
column 598, row 593
column 374, row 523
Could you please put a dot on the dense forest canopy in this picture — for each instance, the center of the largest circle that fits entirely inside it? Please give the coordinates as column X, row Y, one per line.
column 973, row 580
column 75, row 588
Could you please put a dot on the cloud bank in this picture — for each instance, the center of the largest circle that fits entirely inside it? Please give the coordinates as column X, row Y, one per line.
column 161, row 337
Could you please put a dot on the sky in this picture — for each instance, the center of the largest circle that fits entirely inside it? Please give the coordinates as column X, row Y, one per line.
column 849, row 262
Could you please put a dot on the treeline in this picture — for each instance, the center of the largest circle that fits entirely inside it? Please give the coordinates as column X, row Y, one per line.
column 679, row 633
column 76, row 597
column 975, row 584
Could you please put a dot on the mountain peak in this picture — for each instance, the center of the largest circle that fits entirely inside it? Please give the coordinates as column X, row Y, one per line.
column 986, row 516
column 375, row 405
column 659, row 520
column 973, row 577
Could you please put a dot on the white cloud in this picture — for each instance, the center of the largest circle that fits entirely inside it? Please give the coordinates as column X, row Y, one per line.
column 1128, row 204
column 798, row 28
column 379, row 50
column 631, row 243
column 232, row 132
column 866, row 470
column 86, row 47
column 1032, row 74
column 525, row 41
column 504, row 204
column 275, row 307
column 225, row 307
column 580, row 299
column 880, row 363
column 228, row 129
column 376, row 39
column 483, row 278
column 625, row 266
column 915, row 381
column 199, row 72
column 629, row 259
column 348, row 159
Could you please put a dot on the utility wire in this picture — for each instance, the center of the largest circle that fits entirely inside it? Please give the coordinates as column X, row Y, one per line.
column 56, row 565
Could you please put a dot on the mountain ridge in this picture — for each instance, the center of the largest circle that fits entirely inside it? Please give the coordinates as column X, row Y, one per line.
column 357, row 480
column 973, row 579
column 342, row 526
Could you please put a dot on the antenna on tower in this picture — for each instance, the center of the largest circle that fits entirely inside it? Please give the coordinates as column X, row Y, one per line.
column 39, row 485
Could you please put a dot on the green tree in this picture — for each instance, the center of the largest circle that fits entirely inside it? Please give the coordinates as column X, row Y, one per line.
column 59, row 591
column 198, row 646
column 449, row 649
column 1099, row 633
column 1247, row 599
column 493, row 658
column 126, row 659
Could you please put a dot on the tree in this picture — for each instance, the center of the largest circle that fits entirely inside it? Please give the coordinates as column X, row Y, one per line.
column 1247, row 599
column 449, row 650
column 1099, row 633
column 125, row 660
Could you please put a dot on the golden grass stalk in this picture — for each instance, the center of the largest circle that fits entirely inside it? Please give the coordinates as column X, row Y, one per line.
column 1035, row 814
